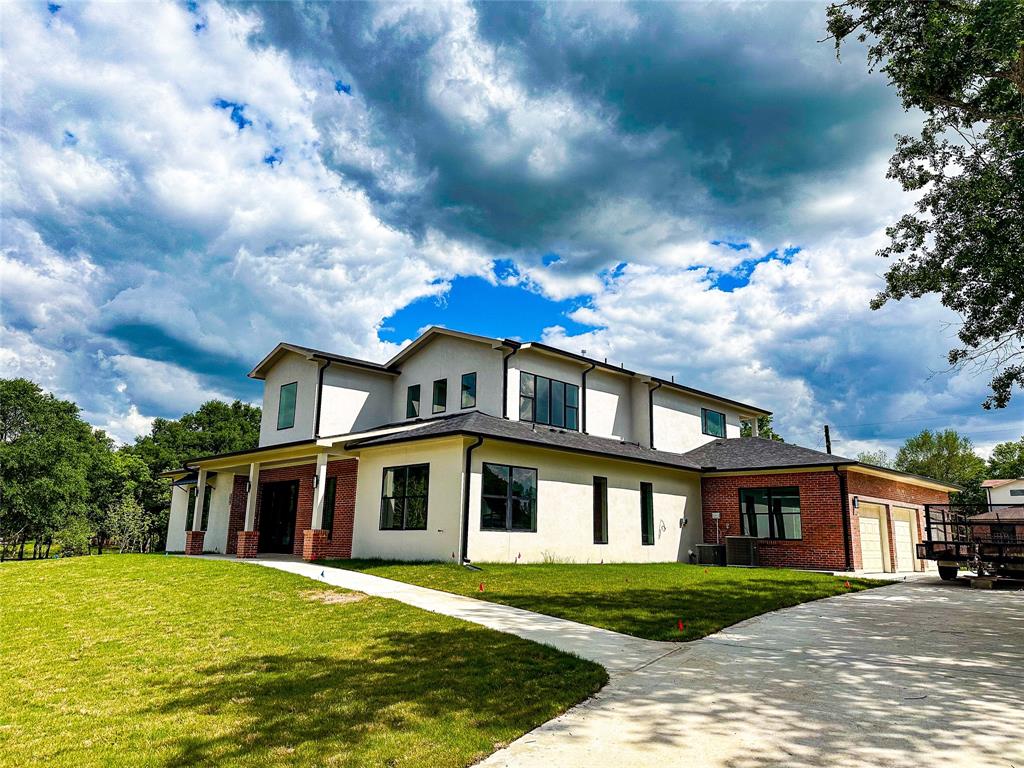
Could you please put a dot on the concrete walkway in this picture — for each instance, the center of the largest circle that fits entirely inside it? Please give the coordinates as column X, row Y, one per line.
column 920, row 673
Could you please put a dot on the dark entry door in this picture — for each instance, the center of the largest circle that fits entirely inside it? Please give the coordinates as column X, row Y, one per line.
column 277, row 516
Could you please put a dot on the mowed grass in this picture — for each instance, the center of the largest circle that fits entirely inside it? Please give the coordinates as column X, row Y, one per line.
column 161, row 661
column 646, row 600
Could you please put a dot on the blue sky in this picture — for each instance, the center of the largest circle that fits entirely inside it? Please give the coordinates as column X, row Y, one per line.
column 693, row 189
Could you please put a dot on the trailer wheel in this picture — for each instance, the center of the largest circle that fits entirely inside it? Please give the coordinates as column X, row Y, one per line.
column 947, row 572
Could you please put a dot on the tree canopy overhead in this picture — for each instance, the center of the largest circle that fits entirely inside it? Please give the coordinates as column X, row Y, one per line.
column 961, row 62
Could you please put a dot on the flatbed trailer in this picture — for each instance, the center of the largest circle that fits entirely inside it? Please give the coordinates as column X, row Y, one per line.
column 985, row 538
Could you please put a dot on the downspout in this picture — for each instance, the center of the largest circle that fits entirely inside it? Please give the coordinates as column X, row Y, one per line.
column 650, row 409
column 467, row 473
column 844, row 501
column 583, row 399
column 324, row 365
column 504, row 377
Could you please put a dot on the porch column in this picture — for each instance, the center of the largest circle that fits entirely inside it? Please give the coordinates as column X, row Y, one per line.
column 194, row 538
column 314, row 541
column 248, row 537
column 753, row 427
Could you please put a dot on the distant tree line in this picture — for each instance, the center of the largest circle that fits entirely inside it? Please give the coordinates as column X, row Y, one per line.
column 947, row 455
column 67, row 489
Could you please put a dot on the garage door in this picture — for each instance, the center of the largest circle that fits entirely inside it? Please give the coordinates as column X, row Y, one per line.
column 903, row 537
column 871, row 537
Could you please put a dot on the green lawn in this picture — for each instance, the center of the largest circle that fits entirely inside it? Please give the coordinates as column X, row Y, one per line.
column 645, row 600
column 160, row 661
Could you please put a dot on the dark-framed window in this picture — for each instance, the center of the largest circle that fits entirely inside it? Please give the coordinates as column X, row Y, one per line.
column 412, row 401
column 469, row 390
column 600, row 510
column 440, row 399
column 770, row 513
column 286, row 405
column 508, row 498
column 712, row 422
column 646, row 514
column 330, row 495
column 190, row 513
column 1017, row 491
column 548, row 401
column 403, row 498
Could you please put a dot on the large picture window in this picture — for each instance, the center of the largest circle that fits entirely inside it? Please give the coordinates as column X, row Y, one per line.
column 403, row 504
column 286, row 405
column 646, row 514
column 770, row 513
column 468, row 390
column 548, row 401
column 712, row 422
column 509, row 498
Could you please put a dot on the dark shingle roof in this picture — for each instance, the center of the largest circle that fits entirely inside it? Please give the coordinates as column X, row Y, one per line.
column 737, row 453
column 480, row 424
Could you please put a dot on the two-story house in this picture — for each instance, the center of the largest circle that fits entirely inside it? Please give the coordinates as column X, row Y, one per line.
column 465, row 447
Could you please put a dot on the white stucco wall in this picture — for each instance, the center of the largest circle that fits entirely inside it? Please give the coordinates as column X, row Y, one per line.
column 444, row 502
column 216, row 538
column 291, row 367
column 355, row 400
column 565, row 509
column 176, row 521
column 610, row 405
column 217, row 523
column 677, row 420
column 448, row 358
column 1001, row 495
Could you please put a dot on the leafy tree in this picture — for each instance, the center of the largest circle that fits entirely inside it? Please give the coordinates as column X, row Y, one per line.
column 947, row 456
column 74, row 536
column 46, row 455
column 960, row 62
column 216, row 427
column 127, row 524
column 764, row 429
column 877, row 458
column 1007, row 460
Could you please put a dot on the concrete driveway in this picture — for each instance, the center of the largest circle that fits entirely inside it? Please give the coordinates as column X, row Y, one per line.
column 919, row 674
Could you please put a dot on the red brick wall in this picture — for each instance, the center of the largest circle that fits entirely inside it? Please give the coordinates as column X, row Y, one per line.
column 821, row 518
column 340, row 543
column 886, row 490
column 859, row 484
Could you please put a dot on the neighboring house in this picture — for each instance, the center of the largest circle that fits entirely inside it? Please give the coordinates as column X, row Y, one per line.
column 466, row 447
column 1004, row 491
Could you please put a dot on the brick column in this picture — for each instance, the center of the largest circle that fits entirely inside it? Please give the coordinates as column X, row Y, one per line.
column 194, row 542
column 248, row 543
column 314, row 544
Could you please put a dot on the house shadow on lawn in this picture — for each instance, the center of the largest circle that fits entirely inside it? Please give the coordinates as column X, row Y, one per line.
column 407, row 698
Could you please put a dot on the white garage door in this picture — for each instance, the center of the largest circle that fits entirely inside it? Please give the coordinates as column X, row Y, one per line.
column 870, row 541
column 903, row 538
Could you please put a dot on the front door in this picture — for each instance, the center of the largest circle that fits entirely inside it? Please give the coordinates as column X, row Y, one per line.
column 277, row 516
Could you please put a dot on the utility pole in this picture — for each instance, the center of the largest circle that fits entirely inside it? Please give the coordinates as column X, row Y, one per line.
column 828, row 440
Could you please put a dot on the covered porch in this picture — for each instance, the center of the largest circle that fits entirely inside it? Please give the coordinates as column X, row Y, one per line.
column 295, row 499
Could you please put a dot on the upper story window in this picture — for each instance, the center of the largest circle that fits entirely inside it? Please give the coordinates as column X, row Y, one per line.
column 403, row 502
column 712, row 422
column 770, row 513
column 548, row 401
column 286, row 405
column 412, row 402
column 469, row 390
column 440, row 401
